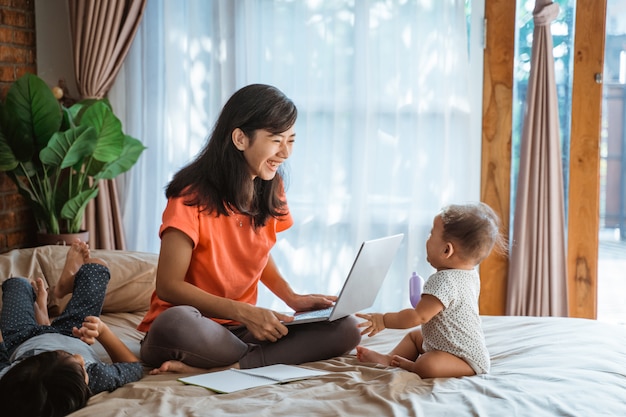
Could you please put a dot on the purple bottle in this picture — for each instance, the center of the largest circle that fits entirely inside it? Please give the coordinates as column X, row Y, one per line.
column 416, row 285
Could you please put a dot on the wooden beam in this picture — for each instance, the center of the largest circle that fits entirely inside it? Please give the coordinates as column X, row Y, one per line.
column 584, row 169
column 496, row 141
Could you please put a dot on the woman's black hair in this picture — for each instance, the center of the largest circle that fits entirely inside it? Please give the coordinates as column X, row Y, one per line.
column 218, row 177
column 47, row 384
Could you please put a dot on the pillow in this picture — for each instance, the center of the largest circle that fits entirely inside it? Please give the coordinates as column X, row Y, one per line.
column 19, row 263
column 132, row 274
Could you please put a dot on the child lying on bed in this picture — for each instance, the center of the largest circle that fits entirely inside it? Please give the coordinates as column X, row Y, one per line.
column 450, row 342
column 49, row 368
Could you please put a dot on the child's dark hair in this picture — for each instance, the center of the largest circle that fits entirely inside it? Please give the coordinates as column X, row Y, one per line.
column 47, row 384
column 474, row 228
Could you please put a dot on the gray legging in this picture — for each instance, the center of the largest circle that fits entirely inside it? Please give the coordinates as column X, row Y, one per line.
column 182, row 333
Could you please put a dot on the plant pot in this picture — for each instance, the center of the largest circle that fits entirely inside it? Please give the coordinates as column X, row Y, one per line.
column 64, row 239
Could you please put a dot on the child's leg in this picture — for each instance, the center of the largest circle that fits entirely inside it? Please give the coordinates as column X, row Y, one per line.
column 86, row 278
column 87, row 297
column 18, row 321
column 438, row 364
column 77, row 256
column 410, row 347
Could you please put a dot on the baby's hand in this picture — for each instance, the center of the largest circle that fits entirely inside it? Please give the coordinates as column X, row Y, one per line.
column 90, row 330
column 373, row 323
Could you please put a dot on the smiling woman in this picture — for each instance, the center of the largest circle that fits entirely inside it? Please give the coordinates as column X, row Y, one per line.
column 203, row 313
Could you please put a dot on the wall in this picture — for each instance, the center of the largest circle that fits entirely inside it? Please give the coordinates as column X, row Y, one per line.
column 17, row 56
column 52, row 25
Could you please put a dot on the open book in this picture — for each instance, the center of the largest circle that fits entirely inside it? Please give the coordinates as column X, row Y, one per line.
column 233, row 380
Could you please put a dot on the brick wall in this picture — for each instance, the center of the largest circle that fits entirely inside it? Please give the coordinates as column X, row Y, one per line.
column 17, row 56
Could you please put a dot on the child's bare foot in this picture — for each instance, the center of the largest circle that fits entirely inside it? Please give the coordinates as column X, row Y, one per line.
column 91, row 260
column 41, row 302
column 77, row 255
column 365, row 355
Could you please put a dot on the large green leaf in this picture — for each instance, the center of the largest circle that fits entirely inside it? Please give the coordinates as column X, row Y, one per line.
column 69, row 148
column 76, row 206
column 17, row 138
column 8, row 161
column 35, row 114
column 130, row 154
column 78, row 109
column 109, row 128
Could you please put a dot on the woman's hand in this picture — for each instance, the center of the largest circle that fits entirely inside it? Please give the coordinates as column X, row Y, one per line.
column 374, row 323
column 311, row 302
column 265, row 324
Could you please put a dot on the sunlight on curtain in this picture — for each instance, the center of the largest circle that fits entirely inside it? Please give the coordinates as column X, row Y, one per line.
column 383, row 135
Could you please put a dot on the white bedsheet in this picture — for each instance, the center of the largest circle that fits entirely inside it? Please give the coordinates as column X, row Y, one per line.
column 540, row 367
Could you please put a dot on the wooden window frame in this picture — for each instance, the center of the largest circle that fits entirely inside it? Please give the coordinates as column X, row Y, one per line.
column 584, row 171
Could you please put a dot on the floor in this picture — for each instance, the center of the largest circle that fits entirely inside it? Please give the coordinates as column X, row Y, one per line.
column 611, row 278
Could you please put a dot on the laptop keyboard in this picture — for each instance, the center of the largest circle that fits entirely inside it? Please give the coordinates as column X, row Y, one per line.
column 325, row 312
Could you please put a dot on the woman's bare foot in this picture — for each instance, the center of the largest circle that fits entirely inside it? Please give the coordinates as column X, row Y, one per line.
column 77, row 255
column 41, row 302
column 365, row 355
column 177, row 367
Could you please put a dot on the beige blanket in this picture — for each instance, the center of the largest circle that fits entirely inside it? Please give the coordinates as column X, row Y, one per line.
column 540, row 366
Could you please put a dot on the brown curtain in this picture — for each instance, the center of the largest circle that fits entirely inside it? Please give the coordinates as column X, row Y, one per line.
column 102, row 32
column 537, row 283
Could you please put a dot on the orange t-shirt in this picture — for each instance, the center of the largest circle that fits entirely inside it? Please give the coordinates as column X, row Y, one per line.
column 227, row 258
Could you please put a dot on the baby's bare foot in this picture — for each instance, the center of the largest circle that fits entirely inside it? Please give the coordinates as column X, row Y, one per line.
column 41, row 302
column 365, row 355
column 77, row 255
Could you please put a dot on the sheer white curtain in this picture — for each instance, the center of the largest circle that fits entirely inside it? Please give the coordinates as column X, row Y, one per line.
column 384, row 134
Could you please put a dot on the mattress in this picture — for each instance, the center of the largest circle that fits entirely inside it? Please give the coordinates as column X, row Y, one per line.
column 541, row 366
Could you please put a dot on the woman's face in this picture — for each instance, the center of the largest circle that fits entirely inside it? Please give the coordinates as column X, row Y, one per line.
column 265, row 151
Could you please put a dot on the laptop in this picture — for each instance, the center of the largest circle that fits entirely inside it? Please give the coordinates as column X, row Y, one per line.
column 364, row 280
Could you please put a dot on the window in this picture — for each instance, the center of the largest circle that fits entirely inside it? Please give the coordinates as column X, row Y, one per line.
column 563, row 39
column 388, row 129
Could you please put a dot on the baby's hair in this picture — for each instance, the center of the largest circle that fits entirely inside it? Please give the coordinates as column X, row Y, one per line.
column 475, row 230
column 47, row 384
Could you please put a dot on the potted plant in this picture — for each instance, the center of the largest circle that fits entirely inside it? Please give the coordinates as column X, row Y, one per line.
column 57, row 155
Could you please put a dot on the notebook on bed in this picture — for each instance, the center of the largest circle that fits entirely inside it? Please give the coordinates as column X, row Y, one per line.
column 364, row 280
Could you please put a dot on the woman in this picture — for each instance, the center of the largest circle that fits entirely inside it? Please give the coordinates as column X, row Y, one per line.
column 223, row 213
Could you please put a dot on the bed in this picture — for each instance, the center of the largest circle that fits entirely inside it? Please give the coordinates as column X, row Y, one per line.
column 540, row 366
